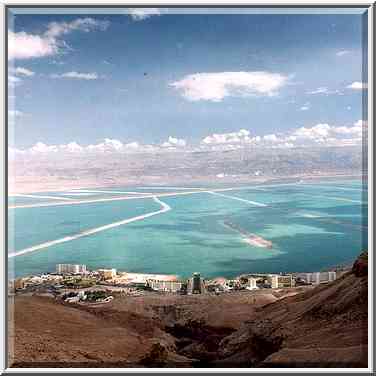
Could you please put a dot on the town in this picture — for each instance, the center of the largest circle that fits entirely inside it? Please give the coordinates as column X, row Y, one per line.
column 74, row 283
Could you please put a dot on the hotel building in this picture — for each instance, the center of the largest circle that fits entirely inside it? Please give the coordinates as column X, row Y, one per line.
column 107, row 273
column 318, row 277
column 70, row 269
column 167, row 286
column 278, row 281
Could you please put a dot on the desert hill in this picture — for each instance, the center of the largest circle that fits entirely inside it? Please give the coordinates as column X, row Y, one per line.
column 325, row 326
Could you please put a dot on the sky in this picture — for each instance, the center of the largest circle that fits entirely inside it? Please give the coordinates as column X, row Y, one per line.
column 149, row 79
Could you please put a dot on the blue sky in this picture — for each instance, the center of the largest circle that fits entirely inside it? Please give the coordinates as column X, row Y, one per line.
column 147, row 77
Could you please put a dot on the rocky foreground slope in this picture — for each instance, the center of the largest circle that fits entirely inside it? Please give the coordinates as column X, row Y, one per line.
column 324, row 326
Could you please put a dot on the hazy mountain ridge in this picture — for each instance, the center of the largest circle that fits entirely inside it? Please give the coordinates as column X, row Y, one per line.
column 182, row 167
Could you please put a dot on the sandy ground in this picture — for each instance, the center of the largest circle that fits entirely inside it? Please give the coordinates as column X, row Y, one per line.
column 47, row 331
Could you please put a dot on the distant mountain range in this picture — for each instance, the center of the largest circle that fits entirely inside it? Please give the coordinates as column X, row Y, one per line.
column 51, row 171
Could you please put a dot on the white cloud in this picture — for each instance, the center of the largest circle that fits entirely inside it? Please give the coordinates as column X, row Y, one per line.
column 360, row 123
column 132, row 145
column 22, row 71
column 319, row 90
column 342, row 52
column 216, row 86
column 87, row 24
column 107, row 146
column 328, row 135
column 77, row 75
column 40, row 147
column 305, row 107
column 271, row 138
column 348, row 130
column 72, row 147
column 139, row 14
column 242, row 138
column 318, row 131
column 287, row 145
column 174, row 142
column 321, row 134
column 23, row 45
column 227, row 138
column 357, row 85
column 324, row 90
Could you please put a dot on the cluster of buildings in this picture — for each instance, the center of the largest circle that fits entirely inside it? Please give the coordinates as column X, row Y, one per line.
column 25, row 282
column 251, row 282
column 78, row 276
column 94, row 297
column 317, row 277
column 168, row 286
column 70, row 269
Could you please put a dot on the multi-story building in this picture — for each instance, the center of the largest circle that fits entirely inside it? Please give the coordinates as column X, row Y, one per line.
column 70, row 269
column 167, row 286
column 196, row 284
column 273, row 281
column 105, row 274
column 232, row 284
column 251, row 284
column 327, row 277
column 286, row 281
column 16, row 284
column 280, row 280
column 19, row 283
column 316, row 278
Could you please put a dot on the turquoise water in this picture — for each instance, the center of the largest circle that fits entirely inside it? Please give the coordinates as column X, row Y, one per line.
column 19, row 200
column 48, row 197
column 312, row 227
column 31, row 226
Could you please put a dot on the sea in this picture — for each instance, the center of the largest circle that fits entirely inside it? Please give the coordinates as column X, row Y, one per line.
column 313, row 226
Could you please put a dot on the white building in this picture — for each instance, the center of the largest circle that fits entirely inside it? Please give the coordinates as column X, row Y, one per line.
column 167, row 286
column 51, row 277
column 280, row 280
column 327, row 277
column 314, row 278
column 318, row 277
column 73, row 299
column 70, row 269
column 273, row 280
column 107, row 273
column 252, row 284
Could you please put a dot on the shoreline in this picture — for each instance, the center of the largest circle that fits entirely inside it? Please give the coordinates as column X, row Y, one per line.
column 343, row 266
column 21, row 188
